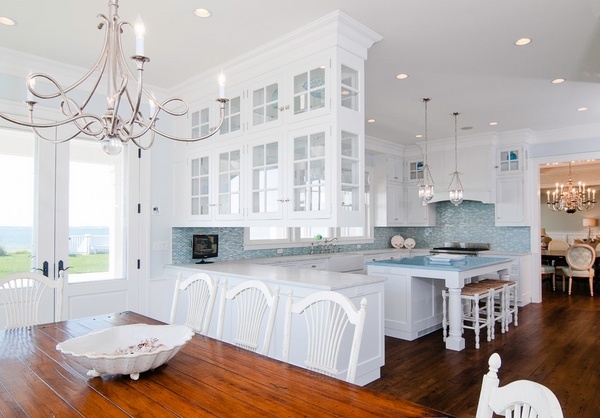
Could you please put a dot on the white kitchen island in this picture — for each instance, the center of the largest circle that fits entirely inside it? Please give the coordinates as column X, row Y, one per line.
column 301, row 282
column 413, row 293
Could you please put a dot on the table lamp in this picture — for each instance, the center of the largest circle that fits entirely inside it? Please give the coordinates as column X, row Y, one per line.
column 589, row 222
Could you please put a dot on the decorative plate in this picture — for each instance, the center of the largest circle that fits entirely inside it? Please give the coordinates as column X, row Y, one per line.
column 397, row 241
column 409, row 243
column 126, row 349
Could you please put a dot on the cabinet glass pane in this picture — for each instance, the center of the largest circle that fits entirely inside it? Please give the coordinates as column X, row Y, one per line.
column 258, row 116
column 223, row 162
column 300, row 199
column 272, row 153
column 317, row 198
column 234, row 182
column 349, row 77
column 317, row 172
column 204, row 185
column 271, row 201
column 224, row 183
column 258, row 156
column 349, row 145
column 195, row 209
column 415, row 170
column 300, row 170
column 301, row 83
column 300, row 148
column 349, row 171
column 317, row 145
column 231, row 122
column 258, row 179
column 349, row 99
column 195, row 118
column 204, row 205
column 195, row 187
column 204, row 166
column 309, row 95
column 258, row 97
column 272, row 178
column 234, row 160
column 350, row 198
column 195, row 167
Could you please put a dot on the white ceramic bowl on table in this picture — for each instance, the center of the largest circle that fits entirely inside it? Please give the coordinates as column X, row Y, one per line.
column 127, row 349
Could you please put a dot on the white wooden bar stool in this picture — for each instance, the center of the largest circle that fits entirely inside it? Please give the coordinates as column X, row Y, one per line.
column 506, row 297
column 474, row 316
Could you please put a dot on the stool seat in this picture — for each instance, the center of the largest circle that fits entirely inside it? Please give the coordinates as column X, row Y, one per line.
column 507, row 292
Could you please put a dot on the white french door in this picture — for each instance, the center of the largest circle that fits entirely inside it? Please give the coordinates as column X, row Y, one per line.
column 77, row 212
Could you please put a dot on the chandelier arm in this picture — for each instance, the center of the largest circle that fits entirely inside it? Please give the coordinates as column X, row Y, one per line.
column 144, row 147
column 194, row 139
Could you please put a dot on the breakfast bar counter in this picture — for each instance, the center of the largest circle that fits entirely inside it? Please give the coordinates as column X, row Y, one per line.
column 413, row 293
column 301, row 283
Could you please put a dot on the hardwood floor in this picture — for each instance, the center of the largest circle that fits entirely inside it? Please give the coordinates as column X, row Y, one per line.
column 557, row 343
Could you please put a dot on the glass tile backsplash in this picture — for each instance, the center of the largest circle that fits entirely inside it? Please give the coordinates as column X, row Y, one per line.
column 469, row 222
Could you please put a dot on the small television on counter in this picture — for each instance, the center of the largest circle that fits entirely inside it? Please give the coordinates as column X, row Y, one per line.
column 205, row 246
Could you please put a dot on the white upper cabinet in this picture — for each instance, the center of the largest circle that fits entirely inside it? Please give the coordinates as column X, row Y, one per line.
column 509, row 161
column 290, row 151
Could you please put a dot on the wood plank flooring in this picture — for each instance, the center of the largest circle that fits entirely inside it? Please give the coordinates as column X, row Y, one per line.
column 557, row 343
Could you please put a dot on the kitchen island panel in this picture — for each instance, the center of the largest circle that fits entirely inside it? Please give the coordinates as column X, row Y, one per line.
column 301, row 283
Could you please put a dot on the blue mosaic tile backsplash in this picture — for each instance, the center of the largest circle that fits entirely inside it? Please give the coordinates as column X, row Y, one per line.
column 469, row 222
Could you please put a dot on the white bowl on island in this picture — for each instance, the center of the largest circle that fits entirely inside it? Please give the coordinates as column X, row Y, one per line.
column 126, row 349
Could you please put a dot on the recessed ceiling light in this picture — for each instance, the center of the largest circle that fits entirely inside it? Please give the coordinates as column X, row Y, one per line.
column 582, row 109
column 419, row 136
column 493, row 123
column 371, row 120
column 522, row 41
column 402, row 76
column 7, row 21
column 466, row 128
column 558, row 80
column 202, row 12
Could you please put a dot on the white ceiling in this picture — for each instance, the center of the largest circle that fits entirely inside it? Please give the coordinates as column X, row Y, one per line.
column 460, row 53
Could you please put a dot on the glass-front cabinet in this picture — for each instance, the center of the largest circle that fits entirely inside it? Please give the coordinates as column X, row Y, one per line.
column 266, row 172
column 290, row 151
column 510, row 160
column 310, row 191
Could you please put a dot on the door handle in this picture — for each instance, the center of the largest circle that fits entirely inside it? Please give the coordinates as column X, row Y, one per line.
column 61, row 266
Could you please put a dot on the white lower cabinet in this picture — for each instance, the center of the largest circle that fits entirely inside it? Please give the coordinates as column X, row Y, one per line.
column 413, row 305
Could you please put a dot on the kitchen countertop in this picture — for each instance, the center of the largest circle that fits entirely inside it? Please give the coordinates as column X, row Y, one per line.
column 424, row 262
column 316, row 279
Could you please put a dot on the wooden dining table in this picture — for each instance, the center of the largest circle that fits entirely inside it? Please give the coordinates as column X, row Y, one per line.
column 207, row 377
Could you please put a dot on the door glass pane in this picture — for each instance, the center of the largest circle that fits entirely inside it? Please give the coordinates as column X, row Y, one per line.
column 16, row 212
column 97, row 238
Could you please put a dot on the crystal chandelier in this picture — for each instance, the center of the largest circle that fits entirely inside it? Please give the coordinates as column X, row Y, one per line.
column 456, row 192
column 571, row 198
column 426, row 183
column 122, row 120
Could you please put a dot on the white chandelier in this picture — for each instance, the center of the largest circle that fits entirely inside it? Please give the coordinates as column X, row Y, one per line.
column 456, row 192
column 571, row 198
column 122, row 121
column 426, row 183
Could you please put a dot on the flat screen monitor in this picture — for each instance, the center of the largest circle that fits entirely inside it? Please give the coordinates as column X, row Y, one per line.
column 205, row 246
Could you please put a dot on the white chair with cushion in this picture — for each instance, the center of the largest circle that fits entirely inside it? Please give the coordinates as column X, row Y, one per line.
column 201, row 290
column 327, row 315
column 21, row 295
column 252, row 300
column 519, row 399
column 549, row 272
column 580, row 259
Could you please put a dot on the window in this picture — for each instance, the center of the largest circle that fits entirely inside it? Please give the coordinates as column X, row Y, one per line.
column 271, row 237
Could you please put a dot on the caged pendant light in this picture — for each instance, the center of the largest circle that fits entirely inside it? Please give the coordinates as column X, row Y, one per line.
column 456, row 192
column 426, row 183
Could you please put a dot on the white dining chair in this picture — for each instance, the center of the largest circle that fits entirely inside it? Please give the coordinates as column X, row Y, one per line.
column 252, row 300
column 21, row 294
column 201, row 290
column 327, row 315
column 580, row 259
column 519, row 399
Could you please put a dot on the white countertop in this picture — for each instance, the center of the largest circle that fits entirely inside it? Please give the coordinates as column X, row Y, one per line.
column 316, row 279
